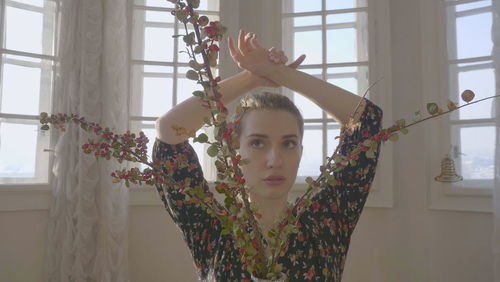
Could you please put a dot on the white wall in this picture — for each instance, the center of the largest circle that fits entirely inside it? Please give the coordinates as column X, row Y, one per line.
column 404, row 243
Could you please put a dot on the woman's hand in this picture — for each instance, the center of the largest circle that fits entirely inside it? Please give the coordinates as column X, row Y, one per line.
column 251, row 56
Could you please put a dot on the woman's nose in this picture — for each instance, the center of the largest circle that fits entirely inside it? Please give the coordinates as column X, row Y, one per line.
column 274, row 158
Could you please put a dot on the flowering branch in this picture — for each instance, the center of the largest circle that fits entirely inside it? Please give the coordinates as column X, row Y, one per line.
column 237, row 213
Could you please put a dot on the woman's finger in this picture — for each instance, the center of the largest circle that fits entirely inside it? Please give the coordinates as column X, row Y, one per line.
column 232, row 49
column 241, row 43
column 249, row 46
column 297, row 62
column 255, row 43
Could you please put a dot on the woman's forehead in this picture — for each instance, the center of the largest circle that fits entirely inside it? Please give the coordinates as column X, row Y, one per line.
column 270, row 122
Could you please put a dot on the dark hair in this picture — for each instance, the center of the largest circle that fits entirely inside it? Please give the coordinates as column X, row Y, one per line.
column 268, row 101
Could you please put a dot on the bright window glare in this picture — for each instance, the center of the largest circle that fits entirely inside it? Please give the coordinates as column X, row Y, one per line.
column 474, row 36
column 308, row 43
column 21, row 90
column 156, row 3
column 482, row 82
column 158, row 44
column 341, row 45
column 477, row 161
column 17, row 150
column 159, row 17
column 157, row 96
column 23, row 30
column 308, row 108
column 185, row 88
column 306, row 6
column 312, row 154
column 332, row 142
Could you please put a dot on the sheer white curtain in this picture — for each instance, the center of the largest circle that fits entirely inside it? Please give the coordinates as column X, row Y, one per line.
column 88, row 217
column 496, row 191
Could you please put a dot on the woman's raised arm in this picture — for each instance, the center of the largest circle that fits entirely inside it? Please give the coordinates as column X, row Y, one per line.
column 189, row 114
column 337, row 102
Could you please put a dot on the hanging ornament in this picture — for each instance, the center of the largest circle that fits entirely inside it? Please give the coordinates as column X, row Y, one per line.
column 448, row 173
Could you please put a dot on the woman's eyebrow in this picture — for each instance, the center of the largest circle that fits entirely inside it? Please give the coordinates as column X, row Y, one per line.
column 265, row 136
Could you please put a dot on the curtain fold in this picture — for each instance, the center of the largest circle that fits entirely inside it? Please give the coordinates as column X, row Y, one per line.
column 496, row 189
column 88, row 216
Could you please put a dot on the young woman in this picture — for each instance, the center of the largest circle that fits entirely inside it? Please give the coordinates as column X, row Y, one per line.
column 271, row 137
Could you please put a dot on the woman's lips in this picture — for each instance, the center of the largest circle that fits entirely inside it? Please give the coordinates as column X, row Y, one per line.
column 274, row 180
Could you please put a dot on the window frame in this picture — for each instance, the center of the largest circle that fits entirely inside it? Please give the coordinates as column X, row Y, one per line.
column 439, row 83
column 47, row 66
column 378, row 63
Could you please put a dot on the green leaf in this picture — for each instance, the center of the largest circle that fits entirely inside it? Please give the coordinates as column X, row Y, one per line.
column 191, row 74
column 401, row 122
column 212, row 151
column 432, row 108
column 189, row 38
column 198, row 49
column 394, row 137
column 194, row 3
column 198, row 93
column 417, row 116
column 207, row 121
column 202, row 138
column 404, row 131
column 370, row 154
column 309, row 180
column 195, row 65
column 352, row 162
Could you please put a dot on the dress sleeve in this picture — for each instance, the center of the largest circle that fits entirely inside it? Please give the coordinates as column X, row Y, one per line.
column 201, row 231
column 347, row 198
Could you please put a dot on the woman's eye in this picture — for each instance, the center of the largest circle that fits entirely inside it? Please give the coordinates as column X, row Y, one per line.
column 257, row 144
column 290, row 144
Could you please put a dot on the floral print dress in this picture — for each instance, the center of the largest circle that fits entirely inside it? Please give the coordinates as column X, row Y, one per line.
column 317, row 253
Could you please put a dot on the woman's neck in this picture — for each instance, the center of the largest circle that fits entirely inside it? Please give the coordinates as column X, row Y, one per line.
column 270, row 209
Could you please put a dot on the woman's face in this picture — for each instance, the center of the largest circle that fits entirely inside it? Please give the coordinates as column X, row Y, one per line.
column 271, row 140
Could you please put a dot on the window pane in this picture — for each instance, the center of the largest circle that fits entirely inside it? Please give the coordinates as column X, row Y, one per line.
column 332, row 142
column 307, row 21
column 474, row 36
column 157, row 96
column 341, row 45
column 23, row 30
column 38, row 3
column 312, row 155
column 473, row 5
column 209, row 5
column 309, row 43
column 17, row 150
column 482, row 82
column 185, row 88
column 477, row 161
column 353, row 79
column 158, row 16
column 307, row 107
column 344, row 4
column 20, row 89
column 306, row 6
column 155, row 3
column 341, row 18
column 158, row 44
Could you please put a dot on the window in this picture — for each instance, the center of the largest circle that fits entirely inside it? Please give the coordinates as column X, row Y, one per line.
column 334, row 35
column 159, row 65
column 26, row 87
column 470, row 66
column 347, row 44
column 456, row 53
